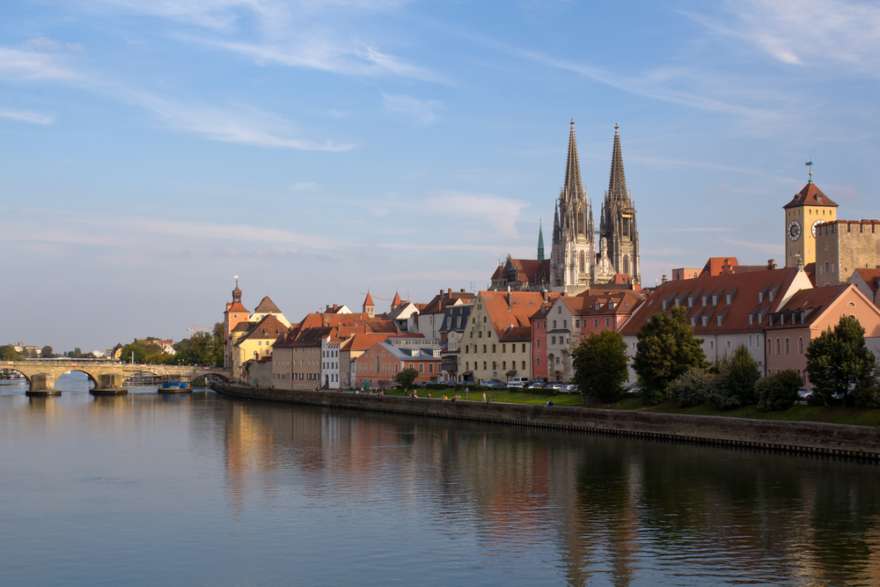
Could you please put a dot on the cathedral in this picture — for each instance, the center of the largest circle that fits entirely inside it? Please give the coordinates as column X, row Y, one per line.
column 576, row 261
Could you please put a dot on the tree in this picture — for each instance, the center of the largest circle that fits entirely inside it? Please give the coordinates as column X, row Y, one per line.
column 145, row 352
column 840, row 366
column 736, row 382
column 692, row 388
column 600, row 367
column 8, row 353
column 195, row 350
column 666, row 349
column 406, row 377
column 778, row 391
column 219, row 335
column 46, row 352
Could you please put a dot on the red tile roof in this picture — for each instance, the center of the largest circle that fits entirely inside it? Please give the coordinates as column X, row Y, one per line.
column 806, row 306
column 236, row 307
column 526, row 271
column 509, row 312
column 745, row 290
column 368, row 300
column 810, row 195
column 603, row 302
column 363, row 341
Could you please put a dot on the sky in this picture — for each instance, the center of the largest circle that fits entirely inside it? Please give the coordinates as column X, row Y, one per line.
column 150, row 150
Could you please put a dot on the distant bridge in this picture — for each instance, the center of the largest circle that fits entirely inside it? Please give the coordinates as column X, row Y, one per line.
column 41, row 374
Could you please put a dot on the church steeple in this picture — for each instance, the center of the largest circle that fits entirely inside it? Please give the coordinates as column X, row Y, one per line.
column 573, row 183
column 540, row 241
column 617, row 181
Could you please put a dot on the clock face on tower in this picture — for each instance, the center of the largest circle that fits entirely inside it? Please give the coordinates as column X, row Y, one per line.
column 794, row 230
column 813, row 227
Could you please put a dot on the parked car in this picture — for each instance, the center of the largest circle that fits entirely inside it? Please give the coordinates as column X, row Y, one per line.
column 557, row 387
column 571, row 388
column 536, row 385
column 517, row 382
column 493, row 384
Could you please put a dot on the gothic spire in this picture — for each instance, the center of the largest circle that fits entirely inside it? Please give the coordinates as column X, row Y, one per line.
column 540, row 241
column 573, row 184
column 555, row 223
column 617, row 182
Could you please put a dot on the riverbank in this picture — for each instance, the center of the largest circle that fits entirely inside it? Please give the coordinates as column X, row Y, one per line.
column 861, row 442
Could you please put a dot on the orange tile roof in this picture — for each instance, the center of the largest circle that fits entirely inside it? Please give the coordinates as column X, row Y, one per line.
column 744, row 289
column 509, row 312
column 806, row 306
column 267, row 306
column 531, row 271
column 236, row 307
column 447, row 298
column 364, row 340
column 596, row 302
column 368, row 300
column 810, row 195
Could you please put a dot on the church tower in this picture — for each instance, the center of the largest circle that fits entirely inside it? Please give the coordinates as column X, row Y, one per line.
column 540, row 241
column 571, row 256
column 617, row 227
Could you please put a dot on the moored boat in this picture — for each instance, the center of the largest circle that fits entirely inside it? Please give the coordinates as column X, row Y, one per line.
column 175, row 387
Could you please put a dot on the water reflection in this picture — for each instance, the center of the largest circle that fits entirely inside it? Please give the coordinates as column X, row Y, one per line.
column 618, row 511
column 230, row 493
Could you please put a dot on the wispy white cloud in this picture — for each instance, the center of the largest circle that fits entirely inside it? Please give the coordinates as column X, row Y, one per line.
column 27, row 116
column 34, row 64
column 496, row 212
column 44, row 60
column 421, row 111
column 289, row 33
column 805, row 32
column 239, row 125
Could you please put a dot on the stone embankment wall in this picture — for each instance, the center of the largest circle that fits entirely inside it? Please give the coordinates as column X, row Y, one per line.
column 861, row 442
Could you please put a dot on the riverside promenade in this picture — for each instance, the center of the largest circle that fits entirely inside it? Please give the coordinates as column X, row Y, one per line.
column 857, row 442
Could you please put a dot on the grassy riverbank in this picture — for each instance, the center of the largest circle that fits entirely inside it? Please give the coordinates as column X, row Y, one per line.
column 835, row 415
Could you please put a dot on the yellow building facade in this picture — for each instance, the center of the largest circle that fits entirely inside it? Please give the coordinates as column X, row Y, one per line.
column 803, row 214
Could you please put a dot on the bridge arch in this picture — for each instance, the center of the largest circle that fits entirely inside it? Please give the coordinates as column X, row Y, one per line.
column 15, row 371
column 92, row 378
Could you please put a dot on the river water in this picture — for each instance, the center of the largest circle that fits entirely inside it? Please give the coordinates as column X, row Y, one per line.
column 200, row 490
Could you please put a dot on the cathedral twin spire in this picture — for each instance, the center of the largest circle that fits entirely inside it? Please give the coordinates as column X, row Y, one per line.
column 575, row 262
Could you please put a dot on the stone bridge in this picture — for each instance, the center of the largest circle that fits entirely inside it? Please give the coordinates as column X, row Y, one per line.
column 108, row 376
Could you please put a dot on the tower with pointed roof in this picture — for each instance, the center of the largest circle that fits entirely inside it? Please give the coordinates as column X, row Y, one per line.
column 807, row 209
column 617, row 225
column 571, row 256
column 369, row 307
column 540, row 241
column 234, row 315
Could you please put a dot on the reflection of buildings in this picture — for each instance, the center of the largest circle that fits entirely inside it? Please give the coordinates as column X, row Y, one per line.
column 609, row 508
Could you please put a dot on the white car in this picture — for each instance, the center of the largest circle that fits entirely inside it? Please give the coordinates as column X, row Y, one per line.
column 557, row 387
column 517, row 382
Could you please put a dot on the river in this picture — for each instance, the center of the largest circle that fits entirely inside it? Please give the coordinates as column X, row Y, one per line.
column 198, row 490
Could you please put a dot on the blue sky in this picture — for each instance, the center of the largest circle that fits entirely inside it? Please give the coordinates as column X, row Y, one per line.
column 152, row 149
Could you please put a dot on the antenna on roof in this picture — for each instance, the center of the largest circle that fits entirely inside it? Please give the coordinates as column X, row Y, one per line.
column 809, row 165
column 235, row 277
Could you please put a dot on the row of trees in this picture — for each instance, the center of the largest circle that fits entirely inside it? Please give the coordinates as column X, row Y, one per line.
column 8, row 353
column 202, row 348
column 671, row 366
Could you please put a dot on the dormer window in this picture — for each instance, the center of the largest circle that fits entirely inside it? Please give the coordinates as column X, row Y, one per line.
column 751, row 319
column 728, row 298
column 760, row 297
column 704, row 300
column 693, row 320
column 718, row 319
column 714, row 299
column 690, row 301
column 705, row 320
column 771, row 295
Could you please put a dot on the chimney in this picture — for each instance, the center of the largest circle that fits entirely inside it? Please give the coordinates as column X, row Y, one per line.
column 771, row 263
column 800, row 262
column 663, row 279
column 448, row 291
column 508, row 295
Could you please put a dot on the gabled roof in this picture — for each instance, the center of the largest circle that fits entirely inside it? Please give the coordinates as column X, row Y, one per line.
column 602, row 302
column 244, row 326
column 269, row 327
column 364, row 340
column 266, row 306
column 806, row 306
column 368, row 300
column 510, row 312
column 524, row 271
column 439, row 302
column 810, row 195
column 752, row 293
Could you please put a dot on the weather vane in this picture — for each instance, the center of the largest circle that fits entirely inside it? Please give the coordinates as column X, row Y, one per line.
column 809, row 165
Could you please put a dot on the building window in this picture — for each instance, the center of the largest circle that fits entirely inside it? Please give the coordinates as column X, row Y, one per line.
column 484, row 348
column 524, row 347
column 493, row 349
column 504, row 365
column 503, row 348
column 801, row 345
column 524, row 365
column 778, row 346
column 787, row 346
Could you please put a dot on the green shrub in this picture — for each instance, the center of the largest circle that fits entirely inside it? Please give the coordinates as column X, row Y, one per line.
column 778, row 391
column 736, row 381
column 692, row 388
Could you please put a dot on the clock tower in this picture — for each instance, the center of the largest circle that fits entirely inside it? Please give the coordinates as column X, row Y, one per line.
column 808, row 208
